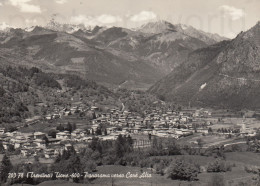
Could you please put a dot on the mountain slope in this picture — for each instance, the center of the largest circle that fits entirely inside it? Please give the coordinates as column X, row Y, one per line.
column 223, row 75
column 21, row 89
column 208, row 38
column 161, row 43
column 62, row 52
column 158, row 27
column 111, row 56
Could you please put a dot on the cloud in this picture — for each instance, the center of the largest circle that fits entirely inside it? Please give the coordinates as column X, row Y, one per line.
column 95, row 20
column 3, row 26
column 25, row 7
column 108, row 19
column 61, row 1
column 143, row 16
column 232, row 12
column 31, row 21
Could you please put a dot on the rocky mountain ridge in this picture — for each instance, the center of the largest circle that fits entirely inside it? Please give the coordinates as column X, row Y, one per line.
column 222, row 75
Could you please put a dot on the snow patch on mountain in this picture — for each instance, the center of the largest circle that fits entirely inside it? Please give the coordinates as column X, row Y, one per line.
column 203, row 86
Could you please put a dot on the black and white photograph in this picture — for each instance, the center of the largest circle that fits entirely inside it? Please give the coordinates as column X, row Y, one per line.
column 130, row 92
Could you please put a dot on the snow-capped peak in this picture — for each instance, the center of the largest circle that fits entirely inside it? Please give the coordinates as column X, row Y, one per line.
column 69, row 28
column 184, row 27
column 29, row 29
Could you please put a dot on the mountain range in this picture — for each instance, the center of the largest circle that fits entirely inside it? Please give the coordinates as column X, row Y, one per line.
column 115, row 57
column 225, row 74
column 175, row 62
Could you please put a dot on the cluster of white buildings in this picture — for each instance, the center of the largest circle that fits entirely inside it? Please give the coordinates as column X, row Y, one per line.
column 61, row 112
column 156, row 122
column 37, row 143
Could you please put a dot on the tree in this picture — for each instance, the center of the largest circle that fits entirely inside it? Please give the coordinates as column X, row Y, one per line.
column 129, row 143
column 218, row 166
column 119, row 146
column 150, row 137
column 52, row 133
column 60, row 128
column 98, row 131
column 74, row 165
column 182, row 170
column 2, row 91
column 200, row 142
column 45, row 139
column 94, row 116
column 65, row 155
column 5, row 168
column 220, row 152
column 172, row 147
column 89, row 166
column 11, row 148
column 74, row 126
column 154, row 143
column 69, row 164
column 2, row 149
column 94, row 143
column 161, row 97
column 69, row 127
column 58, row 158
column 210, row 130
column 36, row 111
column 123, row 145
column 12, row 129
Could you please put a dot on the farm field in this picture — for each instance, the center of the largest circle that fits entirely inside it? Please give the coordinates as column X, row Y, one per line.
column 207, row 140
column 45, row 126
column 244, row 158
column 231, row 122
column 41, row 126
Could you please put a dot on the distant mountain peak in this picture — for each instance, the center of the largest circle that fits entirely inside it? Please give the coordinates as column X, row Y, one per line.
column 228, row 71
column 17, row 31
column 66, row 27
column 37, row 29
column 209, row 38
column 29, row 29
column 182, row 26
column 160, row 26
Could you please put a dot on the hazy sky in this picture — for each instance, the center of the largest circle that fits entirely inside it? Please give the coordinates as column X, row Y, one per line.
column 225, row 17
